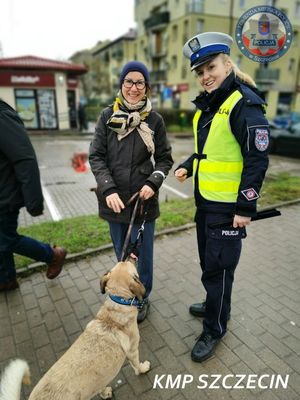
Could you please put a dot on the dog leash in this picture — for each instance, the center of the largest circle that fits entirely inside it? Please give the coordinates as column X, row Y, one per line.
column 132, row 247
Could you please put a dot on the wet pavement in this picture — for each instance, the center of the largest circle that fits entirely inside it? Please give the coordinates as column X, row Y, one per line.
column 67, row 193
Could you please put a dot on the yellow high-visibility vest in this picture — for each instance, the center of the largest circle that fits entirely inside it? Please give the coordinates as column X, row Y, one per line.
column 219, row 174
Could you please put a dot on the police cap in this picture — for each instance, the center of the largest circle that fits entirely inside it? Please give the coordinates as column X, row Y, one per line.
column 205, row 46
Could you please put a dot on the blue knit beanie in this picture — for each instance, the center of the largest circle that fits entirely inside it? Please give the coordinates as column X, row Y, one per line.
column 135, row 66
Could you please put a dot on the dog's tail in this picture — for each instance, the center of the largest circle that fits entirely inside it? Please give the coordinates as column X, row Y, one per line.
column 16, row 373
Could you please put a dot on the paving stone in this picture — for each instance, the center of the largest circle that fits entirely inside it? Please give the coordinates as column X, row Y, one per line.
column 21, row 332
column 43, row 318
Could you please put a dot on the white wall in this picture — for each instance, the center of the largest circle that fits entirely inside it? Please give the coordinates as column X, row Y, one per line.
column 62, row 100
column 7, row 95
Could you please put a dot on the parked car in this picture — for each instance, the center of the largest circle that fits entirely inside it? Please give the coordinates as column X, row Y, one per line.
column 286, row 141
column 285, row 121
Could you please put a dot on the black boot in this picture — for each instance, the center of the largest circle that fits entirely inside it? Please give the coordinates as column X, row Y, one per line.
column 143, row 310
column 11, row 285
column 199, row 310
column 204, row 347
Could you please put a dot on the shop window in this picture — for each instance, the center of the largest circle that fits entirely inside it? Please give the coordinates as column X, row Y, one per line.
column 47, row 111
column 37, row 108
column 27, row 107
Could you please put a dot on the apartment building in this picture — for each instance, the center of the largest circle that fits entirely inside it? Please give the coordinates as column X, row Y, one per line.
column 109, row 60
column 163, row 26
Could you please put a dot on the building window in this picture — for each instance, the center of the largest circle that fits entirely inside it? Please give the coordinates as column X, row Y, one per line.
column 195, row 6
column 174, row 63
column 284, row 102
column 184, row 72
column 199, row 26
column 295, row 38
column 291, row 64
column 174, row 32
column 242, row 3
column 271, row 3
column 185, row 31
column 239, row 61
column 297, row 9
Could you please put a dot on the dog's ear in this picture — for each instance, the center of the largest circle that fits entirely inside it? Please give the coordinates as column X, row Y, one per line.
column 137, row 288
column 103, row 282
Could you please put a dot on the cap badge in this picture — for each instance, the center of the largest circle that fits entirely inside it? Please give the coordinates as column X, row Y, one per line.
column 194, row 45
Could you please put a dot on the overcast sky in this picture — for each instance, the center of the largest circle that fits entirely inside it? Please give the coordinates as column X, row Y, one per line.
column 58, row 28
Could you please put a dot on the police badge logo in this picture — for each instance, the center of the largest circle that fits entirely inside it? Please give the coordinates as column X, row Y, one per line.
column 264, row 34
column 194, row 45
column 261, row 139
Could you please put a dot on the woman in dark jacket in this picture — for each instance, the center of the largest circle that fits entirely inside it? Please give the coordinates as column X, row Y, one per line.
column 228, row 167
column 129, row 135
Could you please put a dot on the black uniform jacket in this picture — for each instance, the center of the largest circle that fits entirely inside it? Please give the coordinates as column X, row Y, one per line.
column 124, row 166
column 251, row 130
column 19, row 172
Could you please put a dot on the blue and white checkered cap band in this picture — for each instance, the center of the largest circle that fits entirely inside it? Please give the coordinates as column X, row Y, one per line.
column 206, row 51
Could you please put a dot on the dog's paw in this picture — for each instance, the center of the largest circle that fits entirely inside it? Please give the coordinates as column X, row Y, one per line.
column 106, row 393
column 144, row 367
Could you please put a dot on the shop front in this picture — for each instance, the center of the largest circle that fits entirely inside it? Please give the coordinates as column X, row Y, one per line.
column 44, row 92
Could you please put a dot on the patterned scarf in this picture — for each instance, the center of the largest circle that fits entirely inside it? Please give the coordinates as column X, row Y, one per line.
column 126, row 117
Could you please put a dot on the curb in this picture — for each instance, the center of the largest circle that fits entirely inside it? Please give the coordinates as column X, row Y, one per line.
column 38, row 266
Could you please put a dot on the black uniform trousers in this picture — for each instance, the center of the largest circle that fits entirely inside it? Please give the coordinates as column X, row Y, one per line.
column 219, row 252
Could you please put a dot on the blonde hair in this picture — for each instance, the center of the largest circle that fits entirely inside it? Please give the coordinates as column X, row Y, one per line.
column 237, row 72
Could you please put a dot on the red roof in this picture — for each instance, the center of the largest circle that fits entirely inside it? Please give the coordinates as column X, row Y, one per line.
column 33, row 62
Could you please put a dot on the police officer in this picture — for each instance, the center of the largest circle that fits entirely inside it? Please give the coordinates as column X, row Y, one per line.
column 228, row 167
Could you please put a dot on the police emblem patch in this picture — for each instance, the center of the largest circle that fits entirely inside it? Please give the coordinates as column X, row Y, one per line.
column 261, row 139
column 264, row 34
column 250, row 194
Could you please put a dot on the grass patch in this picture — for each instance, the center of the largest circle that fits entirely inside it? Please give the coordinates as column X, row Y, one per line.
column 180, row 129
column 88, row 232
column 279, row 188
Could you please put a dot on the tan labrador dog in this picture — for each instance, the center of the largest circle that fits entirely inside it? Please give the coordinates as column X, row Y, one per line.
column 97, row 355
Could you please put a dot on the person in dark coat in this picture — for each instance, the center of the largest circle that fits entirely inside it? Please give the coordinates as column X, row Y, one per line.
column 82, row 117
column 228, row 167
column 20, row 186
column 129, row 134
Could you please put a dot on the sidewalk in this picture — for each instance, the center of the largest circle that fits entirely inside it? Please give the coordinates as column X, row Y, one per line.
column 41, row 320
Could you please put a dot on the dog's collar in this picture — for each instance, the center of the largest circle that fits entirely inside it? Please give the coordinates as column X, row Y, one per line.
column 125, row 302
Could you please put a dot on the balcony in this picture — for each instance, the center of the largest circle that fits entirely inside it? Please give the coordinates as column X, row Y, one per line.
column 158, row 20
column 159, row 75
column 265, row 75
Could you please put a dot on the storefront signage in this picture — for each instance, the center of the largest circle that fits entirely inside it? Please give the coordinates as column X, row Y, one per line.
column 26, row 79
column 72, row 83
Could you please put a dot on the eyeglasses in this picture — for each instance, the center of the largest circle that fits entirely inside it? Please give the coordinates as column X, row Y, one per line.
column 140, row 85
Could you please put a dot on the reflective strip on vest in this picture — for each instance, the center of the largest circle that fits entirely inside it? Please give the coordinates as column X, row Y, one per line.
column 219, row 175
